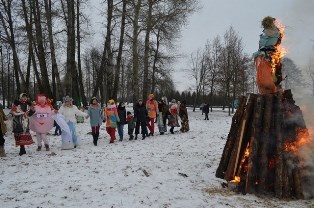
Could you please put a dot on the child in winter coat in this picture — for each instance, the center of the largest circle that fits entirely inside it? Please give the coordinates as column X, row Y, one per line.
column 173, row 117
column 69, row 111
column 131, row 124
column 3, row 130
column 152, row 111
column 122, row 118
column 112, row 118
column 96, row 118
column 163, row 113
column 140, row 114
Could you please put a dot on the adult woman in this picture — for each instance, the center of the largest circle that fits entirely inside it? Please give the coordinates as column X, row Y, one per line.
column 21, row 111
column 69, row 111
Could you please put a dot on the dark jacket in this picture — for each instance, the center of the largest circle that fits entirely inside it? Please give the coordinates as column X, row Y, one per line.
column 122, row 115
column 140, row 113
column 206, row 108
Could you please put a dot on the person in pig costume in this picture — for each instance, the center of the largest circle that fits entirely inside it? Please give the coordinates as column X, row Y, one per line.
column 42, row 121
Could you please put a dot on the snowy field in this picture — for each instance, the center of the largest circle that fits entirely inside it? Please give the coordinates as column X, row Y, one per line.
column 161, row 171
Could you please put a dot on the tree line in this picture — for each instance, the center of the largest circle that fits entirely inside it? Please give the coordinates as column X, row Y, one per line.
column 44, row 48
column 41, row 48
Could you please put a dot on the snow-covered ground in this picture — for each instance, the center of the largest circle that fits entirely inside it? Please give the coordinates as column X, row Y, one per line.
column 161, row 171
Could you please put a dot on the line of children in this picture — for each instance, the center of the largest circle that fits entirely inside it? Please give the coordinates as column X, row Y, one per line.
column 144, row 116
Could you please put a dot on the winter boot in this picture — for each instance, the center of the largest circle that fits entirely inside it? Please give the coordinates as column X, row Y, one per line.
column 95, row 139
column 111, row 141
column 135, row 137
column 22, row 150
column 171, row 130
column 2, row 151
column 38, row 148
column 162, row 133
column 47, row 147
column 143, row 137
column 131, row 137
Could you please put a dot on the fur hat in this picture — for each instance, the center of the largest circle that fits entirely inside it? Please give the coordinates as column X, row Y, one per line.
column 67, row 99
column 23, row 95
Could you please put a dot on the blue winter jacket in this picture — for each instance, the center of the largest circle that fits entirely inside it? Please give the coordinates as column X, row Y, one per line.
column 96, row 115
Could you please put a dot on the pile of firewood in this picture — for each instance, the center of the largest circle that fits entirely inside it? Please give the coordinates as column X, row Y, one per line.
column 261, row 152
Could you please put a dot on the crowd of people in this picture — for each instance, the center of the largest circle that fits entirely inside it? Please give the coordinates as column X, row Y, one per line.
column 40, row 117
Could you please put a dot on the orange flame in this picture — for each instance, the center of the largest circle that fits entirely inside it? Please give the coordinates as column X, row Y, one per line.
column 302, row 138
column 237, row 179
column 279, row 50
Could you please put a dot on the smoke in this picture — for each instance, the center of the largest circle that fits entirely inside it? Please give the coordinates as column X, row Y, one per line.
column 306, row 102
column 299, row 20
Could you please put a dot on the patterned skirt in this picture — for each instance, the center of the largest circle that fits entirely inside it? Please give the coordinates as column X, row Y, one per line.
column 184, row 124
column 23, row 138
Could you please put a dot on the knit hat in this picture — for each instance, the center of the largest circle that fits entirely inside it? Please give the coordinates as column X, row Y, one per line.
column 93, row 98
column 67, row 99
column 173, row 101
column 111, row 101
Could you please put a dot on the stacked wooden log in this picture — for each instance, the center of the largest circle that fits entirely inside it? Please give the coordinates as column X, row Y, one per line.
column 261, row 152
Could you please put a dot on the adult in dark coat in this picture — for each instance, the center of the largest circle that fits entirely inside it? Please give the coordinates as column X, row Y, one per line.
column 141, row 115
column 206, row 111
column 122, row 117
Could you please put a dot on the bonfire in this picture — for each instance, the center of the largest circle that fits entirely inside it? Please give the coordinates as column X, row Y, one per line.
column 261, row 155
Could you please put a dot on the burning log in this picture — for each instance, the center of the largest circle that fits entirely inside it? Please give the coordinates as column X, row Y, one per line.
column 220, row 172
column 252, row 172
column 279, row 147
column 260, row 155
column 264, row 144
column 241, row 141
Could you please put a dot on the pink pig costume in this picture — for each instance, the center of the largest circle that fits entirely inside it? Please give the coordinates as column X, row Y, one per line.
column 42, row 121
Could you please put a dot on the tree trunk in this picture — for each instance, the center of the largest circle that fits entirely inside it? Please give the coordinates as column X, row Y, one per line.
column 135, row 51
column 147, row 49
column 11, row 38
column 56, row 81
column 104, row 60
column 119, row 57
column 80, row 74
column 155, row 61
column 41, row 49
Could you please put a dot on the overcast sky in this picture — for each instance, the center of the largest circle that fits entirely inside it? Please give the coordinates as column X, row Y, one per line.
column 216, row 16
